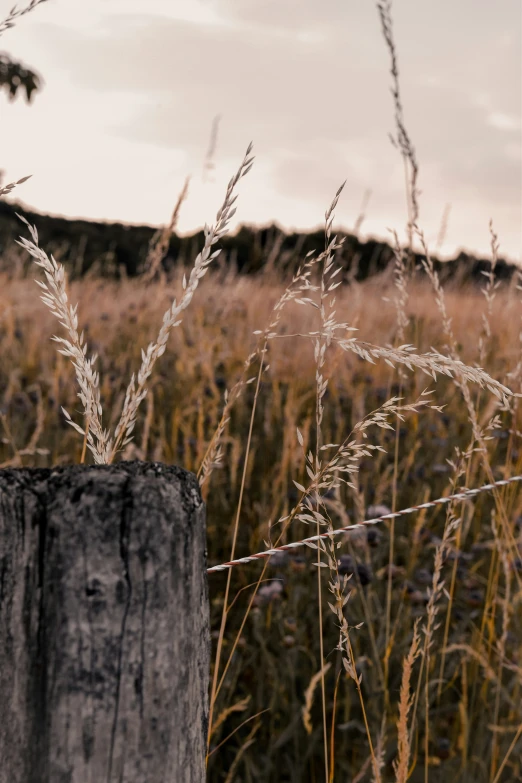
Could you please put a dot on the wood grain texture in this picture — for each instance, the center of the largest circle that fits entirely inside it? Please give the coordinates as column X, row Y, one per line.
column 104, row 625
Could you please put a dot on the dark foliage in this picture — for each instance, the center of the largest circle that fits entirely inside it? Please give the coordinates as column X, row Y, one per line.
column 14, row 75
column 84, row 244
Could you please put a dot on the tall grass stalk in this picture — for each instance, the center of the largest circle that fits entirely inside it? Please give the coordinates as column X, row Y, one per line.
column 401, row 763
column 160, row 241
column 480, row 434
column 14, row 13
column 501, row 643
column 403, row 272
column 402, row 142
column 321, row 385
column 56, row 298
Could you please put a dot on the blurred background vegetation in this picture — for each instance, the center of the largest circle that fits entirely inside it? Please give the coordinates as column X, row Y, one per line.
column 278, row 652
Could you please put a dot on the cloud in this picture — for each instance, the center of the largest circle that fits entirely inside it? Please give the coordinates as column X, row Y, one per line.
column 309, row 83
column 504, row 121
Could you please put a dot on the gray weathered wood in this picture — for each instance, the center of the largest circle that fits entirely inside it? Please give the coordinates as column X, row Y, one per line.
column 104, row 625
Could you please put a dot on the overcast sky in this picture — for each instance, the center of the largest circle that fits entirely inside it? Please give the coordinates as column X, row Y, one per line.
column 132, row 88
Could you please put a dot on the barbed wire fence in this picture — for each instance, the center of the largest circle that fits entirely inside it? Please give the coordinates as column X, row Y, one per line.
column 464, row 495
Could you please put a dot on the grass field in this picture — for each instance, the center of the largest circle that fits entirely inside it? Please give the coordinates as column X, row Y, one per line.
column 391, row 653
column 278, row 653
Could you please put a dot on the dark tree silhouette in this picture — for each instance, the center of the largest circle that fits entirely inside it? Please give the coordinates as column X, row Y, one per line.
column 14, row 75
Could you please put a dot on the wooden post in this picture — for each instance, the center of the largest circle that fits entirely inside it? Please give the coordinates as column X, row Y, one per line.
column 104, row 625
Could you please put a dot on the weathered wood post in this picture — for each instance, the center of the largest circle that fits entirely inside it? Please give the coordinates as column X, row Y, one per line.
column 104, row 625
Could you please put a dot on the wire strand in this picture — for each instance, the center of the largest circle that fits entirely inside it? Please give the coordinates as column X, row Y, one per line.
column 467, row 493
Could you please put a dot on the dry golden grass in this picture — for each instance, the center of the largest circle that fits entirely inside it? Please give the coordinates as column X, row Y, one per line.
column 277, row 654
